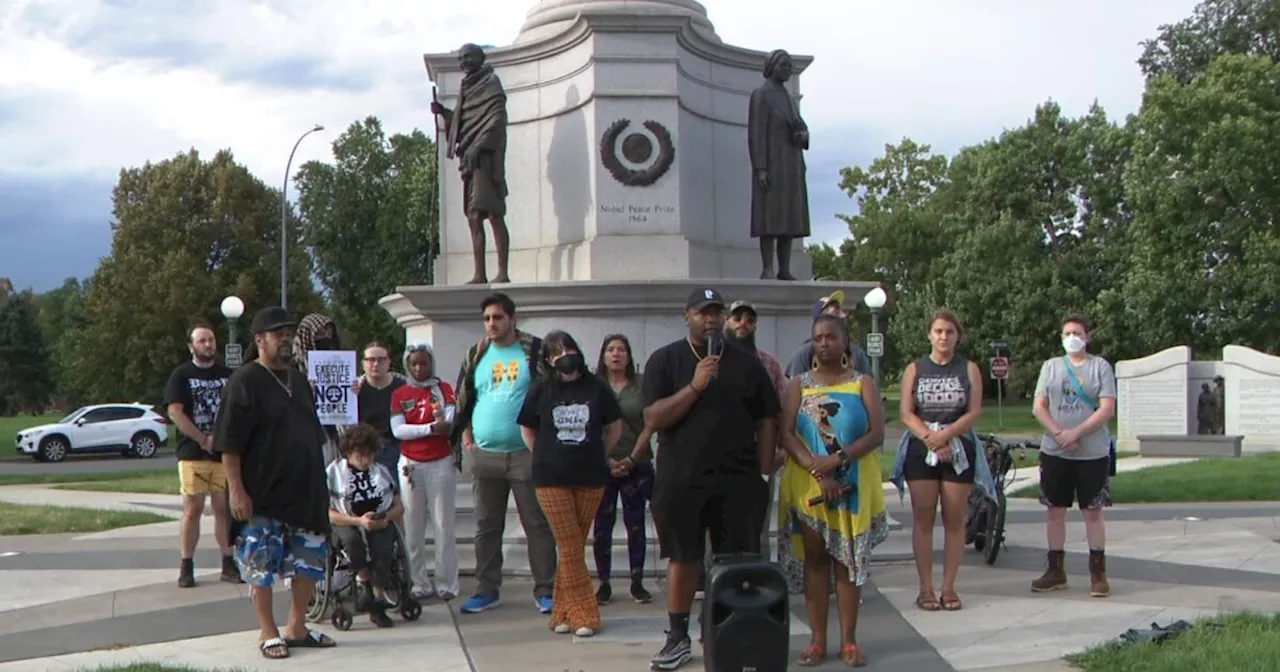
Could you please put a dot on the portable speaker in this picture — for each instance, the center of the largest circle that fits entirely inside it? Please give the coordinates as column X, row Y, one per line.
column 746, row 616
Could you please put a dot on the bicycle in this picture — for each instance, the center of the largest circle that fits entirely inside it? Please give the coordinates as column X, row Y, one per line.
column 984, row 519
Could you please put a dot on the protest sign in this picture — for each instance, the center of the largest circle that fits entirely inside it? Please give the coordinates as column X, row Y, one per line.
column 332, row 374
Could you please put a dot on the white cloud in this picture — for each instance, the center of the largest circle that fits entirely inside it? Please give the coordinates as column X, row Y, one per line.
column 98, row 94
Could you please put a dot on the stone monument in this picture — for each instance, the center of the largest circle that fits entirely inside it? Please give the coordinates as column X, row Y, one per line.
column 630, row 183
column 1153, row 396
column 1251, row 396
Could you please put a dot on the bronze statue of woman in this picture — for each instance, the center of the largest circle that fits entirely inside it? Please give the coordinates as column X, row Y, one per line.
column 777, row 138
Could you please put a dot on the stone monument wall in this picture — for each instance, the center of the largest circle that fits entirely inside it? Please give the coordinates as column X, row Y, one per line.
column 1154, row 396
column 1252, row 396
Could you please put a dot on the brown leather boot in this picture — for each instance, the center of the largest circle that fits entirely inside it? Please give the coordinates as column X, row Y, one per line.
column 1098, row 585
column 1055, row 577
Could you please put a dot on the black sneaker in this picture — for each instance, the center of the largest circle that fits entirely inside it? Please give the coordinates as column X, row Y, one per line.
column 366, row 602
column 604, row 594
column 673, row 655
column 230, row 573
column 187, row 574
column 379, row 618
column 639, row 594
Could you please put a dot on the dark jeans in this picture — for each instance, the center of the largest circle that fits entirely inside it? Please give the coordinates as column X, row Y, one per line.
column 375, row 555
column 389, row 457
column 635, row 489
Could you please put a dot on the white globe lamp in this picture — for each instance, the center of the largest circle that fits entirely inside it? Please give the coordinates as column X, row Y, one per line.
column 232, row 308
column 876, row 298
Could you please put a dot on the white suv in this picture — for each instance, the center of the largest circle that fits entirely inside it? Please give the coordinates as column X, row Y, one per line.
column 134, row 430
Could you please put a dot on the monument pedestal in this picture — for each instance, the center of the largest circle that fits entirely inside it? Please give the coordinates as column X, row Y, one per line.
column 626, row 150
column 649, row 312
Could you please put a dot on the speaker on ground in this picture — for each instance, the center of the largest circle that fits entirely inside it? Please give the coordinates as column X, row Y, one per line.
column 746, row 616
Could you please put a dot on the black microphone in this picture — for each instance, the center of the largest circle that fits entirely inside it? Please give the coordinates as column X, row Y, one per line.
column 715, row 344
column 822, row 499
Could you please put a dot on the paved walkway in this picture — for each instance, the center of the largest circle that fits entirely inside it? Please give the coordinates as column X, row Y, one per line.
column 70, row 602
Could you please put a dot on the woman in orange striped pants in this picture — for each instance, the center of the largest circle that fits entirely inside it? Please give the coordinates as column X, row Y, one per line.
column 570, row 420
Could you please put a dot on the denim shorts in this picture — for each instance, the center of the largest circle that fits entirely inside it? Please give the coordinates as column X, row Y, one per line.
column 267, row 548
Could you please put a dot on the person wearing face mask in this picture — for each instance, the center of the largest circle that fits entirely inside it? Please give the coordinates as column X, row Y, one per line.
column 570, row 421
column 1075, row 401
column 422, row 413
column 317, row 332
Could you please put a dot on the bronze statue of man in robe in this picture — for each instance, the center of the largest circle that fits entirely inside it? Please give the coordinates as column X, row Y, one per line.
column 478, row 136
column 777, row 138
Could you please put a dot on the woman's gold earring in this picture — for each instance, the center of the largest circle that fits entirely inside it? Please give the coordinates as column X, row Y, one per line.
column 844, row 361
column 814, row 364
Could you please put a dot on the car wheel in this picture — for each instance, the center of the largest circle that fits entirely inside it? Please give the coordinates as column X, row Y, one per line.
column 54, row 449
column 144, row 445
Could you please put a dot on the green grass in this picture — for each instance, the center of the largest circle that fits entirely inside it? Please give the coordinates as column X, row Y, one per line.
column 10, row 426
column 160, row 482
column 1240, row 479
column 1017, row 417
column 46, row 479
column 27, row 519
column 1246, row 642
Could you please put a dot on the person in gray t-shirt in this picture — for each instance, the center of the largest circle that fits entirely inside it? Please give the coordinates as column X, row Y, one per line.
column 1075, row 401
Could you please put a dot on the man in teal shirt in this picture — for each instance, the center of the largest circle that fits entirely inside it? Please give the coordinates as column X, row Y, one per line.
column 496, row 374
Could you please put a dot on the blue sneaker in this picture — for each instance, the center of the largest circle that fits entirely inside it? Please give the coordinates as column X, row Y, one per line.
column 544, row 604
column 479, row 603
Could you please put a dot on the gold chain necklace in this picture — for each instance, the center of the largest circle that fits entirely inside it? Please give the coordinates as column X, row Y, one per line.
column 693, row 349
column 288, row 375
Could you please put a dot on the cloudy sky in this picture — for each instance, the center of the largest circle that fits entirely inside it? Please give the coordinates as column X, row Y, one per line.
column 90, row 86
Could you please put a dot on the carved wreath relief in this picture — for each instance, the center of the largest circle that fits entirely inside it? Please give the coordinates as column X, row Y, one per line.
column 637, row 158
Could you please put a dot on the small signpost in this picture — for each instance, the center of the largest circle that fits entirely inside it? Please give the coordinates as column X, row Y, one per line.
column 233, row 356
column 875, row 345
column 1000, row 366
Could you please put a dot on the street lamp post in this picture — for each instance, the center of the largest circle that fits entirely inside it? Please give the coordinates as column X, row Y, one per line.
column 232, row 308
column 284, row 214
column 875, row 300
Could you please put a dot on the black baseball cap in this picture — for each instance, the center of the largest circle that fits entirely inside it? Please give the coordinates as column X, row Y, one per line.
column 702, row 299
column 270, row 319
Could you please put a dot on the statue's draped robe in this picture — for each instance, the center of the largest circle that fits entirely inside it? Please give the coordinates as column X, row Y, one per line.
column 480, row 121
column 772, row 121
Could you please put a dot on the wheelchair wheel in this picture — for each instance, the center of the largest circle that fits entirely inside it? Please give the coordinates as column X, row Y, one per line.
column 995, row 528
column 322, row 596
column 341, row 619
column 411, row 610
column 401, row 581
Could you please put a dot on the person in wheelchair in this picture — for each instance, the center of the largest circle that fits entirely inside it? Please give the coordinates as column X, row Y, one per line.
column 363, row 504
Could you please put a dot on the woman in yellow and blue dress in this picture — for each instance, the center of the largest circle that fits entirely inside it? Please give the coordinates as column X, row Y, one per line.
column 831, row 502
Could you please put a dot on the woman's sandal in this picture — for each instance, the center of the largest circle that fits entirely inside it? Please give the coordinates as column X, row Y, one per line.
column 927, row 602
column 951, row 602
column 812, row 656
column 274, row 649
column 852, row 655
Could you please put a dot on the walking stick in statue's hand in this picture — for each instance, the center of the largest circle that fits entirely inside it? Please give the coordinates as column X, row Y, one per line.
column 448, row 142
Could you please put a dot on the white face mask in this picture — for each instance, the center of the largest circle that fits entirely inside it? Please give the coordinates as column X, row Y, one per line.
column 1073, row 344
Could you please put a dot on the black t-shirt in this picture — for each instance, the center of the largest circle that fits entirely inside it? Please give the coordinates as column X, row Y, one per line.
column 717, row 437
column 570, row 418
column 375, row 406
column 199, row 390
column 278, row 438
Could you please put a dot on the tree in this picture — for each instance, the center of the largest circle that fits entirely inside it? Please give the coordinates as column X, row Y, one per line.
column 1216, row 27
column 62, row 315
column 187, row 233
column 1204, row 183
column 370, row 220
column 25, row 383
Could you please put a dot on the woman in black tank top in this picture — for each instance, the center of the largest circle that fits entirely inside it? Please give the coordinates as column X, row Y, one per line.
column 941, row 401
